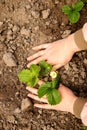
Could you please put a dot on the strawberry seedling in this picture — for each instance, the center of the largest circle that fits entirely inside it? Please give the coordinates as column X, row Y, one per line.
column 73, row 12
column 31, row 77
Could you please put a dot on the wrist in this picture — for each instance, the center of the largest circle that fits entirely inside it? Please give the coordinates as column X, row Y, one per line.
column 73, row 100
column 78, row 106
column 72, row 45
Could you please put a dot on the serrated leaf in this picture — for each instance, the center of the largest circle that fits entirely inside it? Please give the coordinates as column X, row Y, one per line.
column 34, row 69
column 45, row 67
column 44, row 89
column 53, row 97
column 78, row 6
column 30, row 76
column 66, row 9
column 24, row 75
column 33, row 81
column 74, row 16
column 56, row 82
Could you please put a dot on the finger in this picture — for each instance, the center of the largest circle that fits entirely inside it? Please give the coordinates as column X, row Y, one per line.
column 40, row 82
column 32, row 90
column 40, row 53
column 44, row 46
column 35, row 97
column 36, row 61
column 44, row 106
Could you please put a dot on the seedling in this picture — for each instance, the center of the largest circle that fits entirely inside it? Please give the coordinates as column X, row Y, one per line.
column 84, row 127
column 49, row 88
column 73, row 12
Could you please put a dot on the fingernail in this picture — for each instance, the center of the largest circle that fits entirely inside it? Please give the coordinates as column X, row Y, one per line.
column 28, row 66
column 29, row 95
column 27, row 88
column 28, row 58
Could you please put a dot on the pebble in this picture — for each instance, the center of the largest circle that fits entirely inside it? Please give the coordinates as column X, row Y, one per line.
column 15, row 28
column 9, row 59
column 45, row 13
column 17, row 110
column 26, row 103
column 35, row 14
column 85, row 61
column 66, row 33
column 28, row 6
column 66, row 66
column 11, row 119
column 1, row 23
column 9, row 35
column 25, row 32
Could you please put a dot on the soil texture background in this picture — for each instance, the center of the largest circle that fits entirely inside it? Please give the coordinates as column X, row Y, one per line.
column 23, row 25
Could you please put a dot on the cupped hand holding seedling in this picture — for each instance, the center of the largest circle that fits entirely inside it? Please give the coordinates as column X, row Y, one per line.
column 49, row 88
column 67, row 99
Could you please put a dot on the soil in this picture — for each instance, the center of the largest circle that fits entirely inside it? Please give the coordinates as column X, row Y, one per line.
column 24, row 24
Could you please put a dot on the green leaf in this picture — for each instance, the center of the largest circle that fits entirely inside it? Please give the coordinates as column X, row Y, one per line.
column 53, row 97
column 84, row 127
column 78, row 6
column 56, row 82
column 45, row 68
column 74, row 16
column 35, row 69
column 24, row 75
column 44, row 89
column 33, row 80
column 66, row 9
column 84, row 1
column 30, row 76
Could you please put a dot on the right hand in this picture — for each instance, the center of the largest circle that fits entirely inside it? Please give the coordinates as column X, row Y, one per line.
column 57, row 53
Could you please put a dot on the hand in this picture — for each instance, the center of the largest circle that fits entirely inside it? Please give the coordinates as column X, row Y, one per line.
column 66, row 104
column 57, row 53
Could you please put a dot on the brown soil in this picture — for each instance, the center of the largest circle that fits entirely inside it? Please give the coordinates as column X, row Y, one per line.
column 23, row 25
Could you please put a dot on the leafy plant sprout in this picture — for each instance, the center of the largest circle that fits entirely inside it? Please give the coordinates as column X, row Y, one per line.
column 73, row 12
column 32, row 75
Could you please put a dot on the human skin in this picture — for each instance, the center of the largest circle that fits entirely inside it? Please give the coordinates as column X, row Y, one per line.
column 57, row 53
column 67, row 99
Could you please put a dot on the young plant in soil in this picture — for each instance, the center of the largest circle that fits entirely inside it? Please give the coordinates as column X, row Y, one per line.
column 43, row 71
column 84, row 127
column 73, row 12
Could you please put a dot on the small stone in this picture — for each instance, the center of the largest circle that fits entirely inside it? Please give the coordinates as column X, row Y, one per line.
column 1, row 23
column 66, row 66
column 85, row 61
column 28, row 6
column 26, row 103
column 47, row 23
column 15, row 28
column 35, row 14
column 66, row 33
column 25, row 32
column 11, row 119
column 36, row 28
column 17, row 110
column 9, row 35
column 9, row 59
column 9, row 32
column 45, row 13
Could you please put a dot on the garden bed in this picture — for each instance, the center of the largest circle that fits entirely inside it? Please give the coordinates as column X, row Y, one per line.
column 24, row 24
